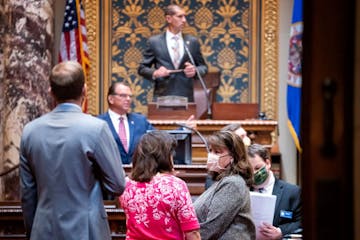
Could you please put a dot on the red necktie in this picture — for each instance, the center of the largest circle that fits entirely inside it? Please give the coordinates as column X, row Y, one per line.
column 122, row 133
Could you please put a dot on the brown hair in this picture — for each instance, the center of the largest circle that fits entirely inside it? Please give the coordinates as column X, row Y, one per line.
column 113, row 85
column 171, row 10
column 234, row 144
column 111, row 90
column 257, row 149
column 152, row 155
column 67, row 81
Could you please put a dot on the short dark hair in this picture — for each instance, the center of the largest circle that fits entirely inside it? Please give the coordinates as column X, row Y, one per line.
column 113, row 85
column 111, row 90
column 234, row 144
column 258, row 149
column 171, row 9
column 67, row 81
column 152, row 155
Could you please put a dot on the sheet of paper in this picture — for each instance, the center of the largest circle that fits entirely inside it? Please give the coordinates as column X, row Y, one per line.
column 262, row 208
column 176, row 70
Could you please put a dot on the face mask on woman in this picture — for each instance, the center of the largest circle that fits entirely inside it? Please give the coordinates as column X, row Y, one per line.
column 213, row 162
column 260, row 176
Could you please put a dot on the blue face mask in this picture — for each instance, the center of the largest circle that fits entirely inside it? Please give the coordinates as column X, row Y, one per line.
column 260, row 176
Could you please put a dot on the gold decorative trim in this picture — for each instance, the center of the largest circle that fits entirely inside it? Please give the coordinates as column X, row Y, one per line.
column 269, row 57
column 254, row 51
column 106, row 56
column 92, row 14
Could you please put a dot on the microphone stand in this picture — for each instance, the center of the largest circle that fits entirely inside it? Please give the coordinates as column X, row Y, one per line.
column 202, row 82
column 197, row 132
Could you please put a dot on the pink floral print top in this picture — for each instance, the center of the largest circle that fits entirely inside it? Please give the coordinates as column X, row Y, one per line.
column 159, row 209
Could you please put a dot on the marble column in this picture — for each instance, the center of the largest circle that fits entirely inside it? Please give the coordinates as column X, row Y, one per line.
column 26, row 53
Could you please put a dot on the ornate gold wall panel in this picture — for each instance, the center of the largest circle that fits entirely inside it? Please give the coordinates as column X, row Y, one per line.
column 93, row 35
column 263, row 24
column 269, row 57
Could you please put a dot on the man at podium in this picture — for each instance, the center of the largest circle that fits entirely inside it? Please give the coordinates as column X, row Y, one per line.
column 168, row 56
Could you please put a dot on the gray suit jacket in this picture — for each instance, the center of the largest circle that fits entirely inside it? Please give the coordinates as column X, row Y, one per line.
column 223, row 211
column 65, row 156
column 156, row 55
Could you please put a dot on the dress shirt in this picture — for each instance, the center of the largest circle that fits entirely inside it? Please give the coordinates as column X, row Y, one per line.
column 115, row 119
column 268, row 188
column 170, row 43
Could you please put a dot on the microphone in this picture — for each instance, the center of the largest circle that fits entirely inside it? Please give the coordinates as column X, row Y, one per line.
column 209, row 113
column 197, row 132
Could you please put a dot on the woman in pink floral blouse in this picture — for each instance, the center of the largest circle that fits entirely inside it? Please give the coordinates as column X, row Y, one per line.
column 157, row 204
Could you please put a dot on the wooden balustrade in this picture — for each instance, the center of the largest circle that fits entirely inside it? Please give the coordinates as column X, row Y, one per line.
column 260, row 131
column 11, row 219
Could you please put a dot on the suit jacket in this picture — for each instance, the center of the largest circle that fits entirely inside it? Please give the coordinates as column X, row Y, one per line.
column 287, row 214
column 138, row 126
column 156, row 54
column 65, row 157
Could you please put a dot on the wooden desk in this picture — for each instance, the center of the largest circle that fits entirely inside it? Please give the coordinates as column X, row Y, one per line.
column 260, row 131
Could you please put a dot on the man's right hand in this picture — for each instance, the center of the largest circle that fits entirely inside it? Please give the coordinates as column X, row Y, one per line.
column 161, row 72
column 191, row 123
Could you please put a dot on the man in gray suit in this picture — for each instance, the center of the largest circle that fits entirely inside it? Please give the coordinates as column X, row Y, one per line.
column 166, row 59
column 65, row 157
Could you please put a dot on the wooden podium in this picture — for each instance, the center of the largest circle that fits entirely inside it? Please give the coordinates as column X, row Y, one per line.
column 170, row 113
column 235, row 111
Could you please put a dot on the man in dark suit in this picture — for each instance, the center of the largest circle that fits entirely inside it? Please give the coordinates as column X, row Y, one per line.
column 66, row 158
column 287, row 216
column 119, row 99
column 166, row 61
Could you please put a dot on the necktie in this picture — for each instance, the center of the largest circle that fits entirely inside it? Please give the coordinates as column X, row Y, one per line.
column 122, row 134
column 176, row 51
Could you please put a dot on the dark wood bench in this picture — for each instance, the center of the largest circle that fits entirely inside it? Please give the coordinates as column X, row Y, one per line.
column 193, row 175
column 12, row 224
column 11, row 219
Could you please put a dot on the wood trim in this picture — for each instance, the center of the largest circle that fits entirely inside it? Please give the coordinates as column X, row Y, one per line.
column 269, row 58
column 93, row 36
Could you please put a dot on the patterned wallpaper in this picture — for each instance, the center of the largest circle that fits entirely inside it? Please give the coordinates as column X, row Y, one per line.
column 221, row 26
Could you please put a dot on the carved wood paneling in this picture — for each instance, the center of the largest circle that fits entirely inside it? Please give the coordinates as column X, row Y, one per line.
column 93, row 24
column 269, row 57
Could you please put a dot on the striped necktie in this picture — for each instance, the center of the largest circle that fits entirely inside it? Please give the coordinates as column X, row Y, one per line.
column 122, row 134
column 176, row 51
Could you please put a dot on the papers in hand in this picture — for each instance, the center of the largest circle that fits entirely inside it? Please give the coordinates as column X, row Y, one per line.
column 262, row 208
column 176, row 70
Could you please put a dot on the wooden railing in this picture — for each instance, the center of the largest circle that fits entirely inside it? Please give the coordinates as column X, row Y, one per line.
column 11, row 219
column 260, row 131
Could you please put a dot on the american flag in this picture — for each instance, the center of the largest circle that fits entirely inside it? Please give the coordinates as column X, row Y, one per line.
column 73, row 42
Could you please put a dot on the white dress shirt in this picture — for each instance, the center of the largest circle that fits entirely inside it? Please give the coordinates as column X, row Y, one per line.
column 115, row 119
column 268, row 188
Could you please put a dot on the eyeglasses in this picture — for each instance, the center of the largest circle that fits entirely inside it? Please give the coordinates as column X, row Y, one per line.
column 123, row 95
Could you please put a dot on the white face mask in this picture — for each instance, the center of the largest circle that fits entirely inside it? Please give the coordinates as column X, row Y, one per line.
column 213, row 162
